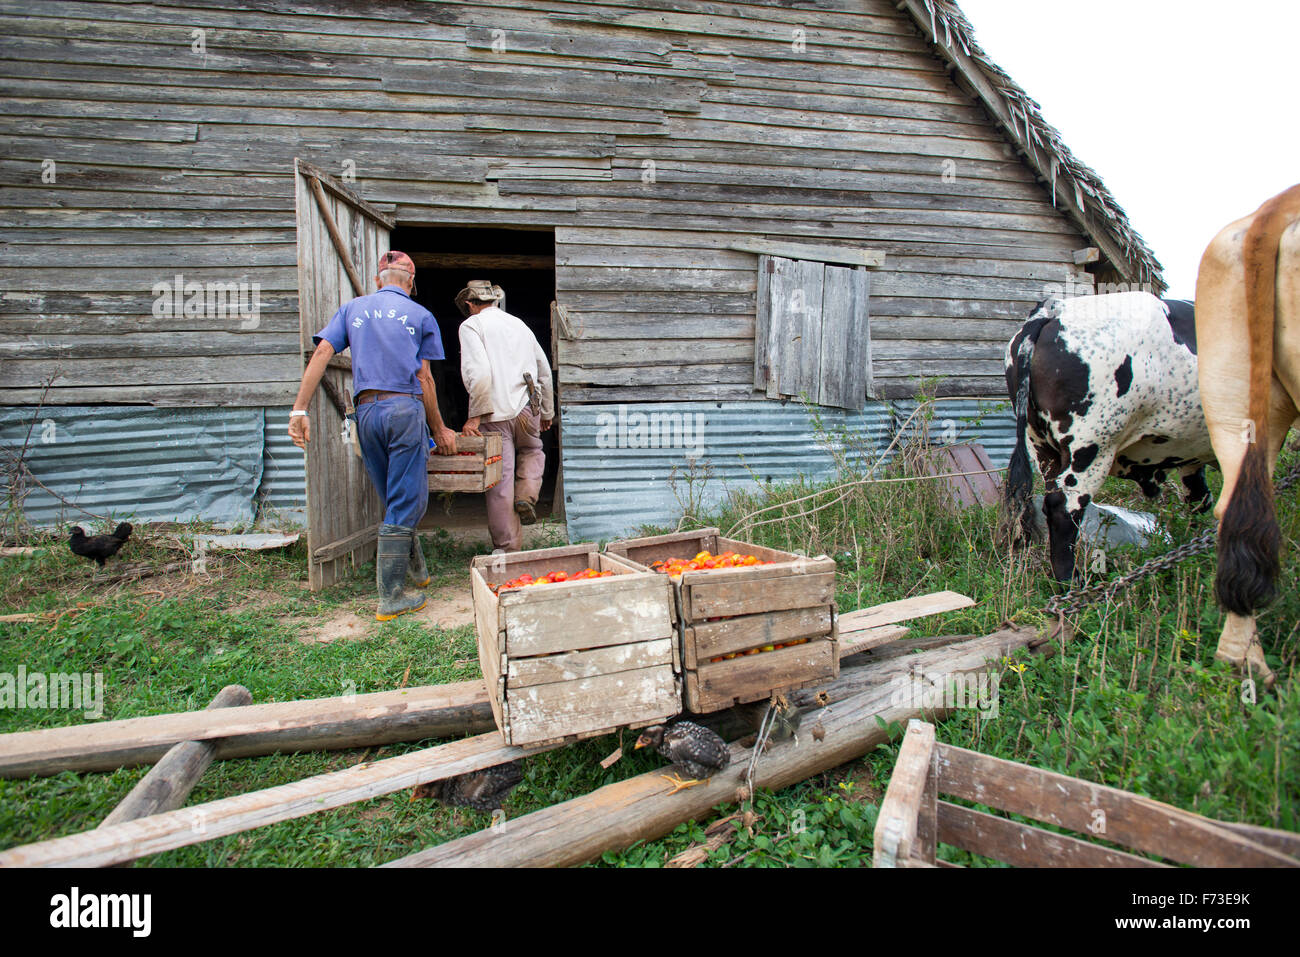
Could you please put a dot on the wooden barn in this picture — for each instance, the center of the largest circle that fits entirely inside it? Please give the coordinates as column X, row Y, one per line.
column 725, row 221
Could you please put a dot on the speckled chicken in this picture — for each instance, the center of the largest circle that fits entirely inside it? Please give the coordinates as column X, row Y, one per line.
column 697, row 751
column 482, row 790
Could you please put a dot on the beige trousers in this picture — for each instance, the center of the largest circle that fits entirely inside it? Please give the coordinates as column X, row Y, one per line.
column 522, row 465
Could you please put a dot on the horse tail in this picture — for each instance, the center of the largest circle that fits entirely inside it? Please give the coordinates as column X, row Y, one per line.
column 1020, row 474
column 1249, row 537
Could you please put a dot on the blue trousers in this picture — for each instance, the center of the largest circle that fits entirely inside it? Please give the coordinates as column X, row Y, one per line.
column 395, row 447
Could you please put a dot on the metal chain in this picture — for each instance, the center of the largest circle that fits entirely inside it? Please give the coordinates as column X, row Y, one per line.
column 1076, row 598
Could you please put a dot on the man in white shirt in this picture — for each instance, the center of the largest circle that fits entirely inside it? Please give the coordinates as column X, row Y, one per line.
column 497, row 350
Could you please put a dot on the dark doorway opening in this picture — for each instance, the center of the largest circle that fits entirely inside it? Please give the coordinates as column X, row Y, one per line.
column 522, row 263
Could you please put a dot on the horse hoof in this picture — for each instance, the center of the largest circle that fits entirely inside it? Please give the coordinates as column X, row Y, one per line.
column 1239, row 646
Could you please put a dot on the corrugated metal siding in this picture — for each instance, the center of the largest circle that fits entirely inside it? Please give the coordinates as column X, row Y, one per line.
column 989, row 422
column 140, row 463
column 613, row 483
column 284, row 469
column 223, row 464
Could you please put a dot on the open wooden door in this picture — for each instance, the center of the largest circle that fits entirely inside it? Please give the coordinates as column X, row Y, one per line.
column 340, row 240
column 561, row 328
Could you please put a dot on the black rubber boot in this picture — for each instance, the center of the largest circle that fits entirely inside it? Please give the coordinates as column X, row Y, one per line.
column 391, row 562
column 417, row 572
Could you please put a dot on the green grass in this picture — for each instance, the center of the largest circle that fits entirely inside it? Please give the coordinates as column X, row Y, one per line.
column 1136, row 702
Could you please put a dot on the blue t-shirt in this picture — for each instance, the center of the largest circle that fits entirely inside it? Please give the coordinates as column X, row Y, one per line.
column 390, row 333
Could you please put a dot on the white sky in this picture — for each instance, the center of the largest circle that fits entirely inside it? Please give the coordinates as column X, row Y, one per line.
column 1189, row 110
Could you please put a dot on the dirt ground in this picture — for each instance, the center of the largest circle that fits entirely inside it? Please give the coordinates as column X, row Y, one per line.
column 450, row 606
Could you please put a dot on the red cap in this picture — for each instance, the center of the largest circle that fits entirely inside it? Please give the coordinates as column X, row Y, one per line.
column 395, row 260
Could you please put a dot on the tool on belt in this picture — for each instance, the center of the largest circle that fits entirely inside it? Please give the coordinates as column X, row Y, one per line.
column 351, row 437
column 340, row 396
column 534, row 394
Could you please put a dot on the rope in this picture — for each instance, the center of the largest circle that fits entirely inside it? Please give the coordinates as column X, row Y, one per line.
column 764, row 730
column 744, row 521
column 846, row 486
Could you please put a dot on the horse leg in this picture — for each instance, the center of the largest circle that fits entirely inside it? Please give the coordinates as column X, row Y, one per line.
column 1054, row 463
column 1062, row 532
column 1080, row 480
column 1239, row 646
column 1225, row 396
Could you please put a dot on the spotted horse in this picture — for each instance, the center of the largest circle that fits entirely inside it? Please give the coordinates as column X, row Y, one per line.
column 1103, row 385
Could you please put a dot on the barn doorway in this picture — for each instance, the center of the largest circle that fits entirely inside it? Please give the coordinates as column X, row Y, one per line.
column 521, row 262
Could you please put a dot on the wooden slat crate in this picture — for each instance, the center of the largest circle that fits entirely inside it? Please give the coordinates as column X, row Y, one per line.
column 575, row 659
column 736, row 610
column 477, row 472
column 913, row 820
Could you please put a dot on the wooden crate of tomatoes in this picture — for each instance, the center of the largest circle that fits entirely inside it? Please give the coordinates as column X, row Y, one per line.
column 475, row 467
column 753, row 620
column 574, row 643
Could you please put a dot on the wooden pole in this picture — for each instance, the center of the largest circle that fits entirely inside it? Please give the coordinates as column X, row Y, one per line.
column 203, row 822
column 960, row 658
column 339, row 246
column 335, row 395
column 320, row 724
column 171, row 780
column 641, row 809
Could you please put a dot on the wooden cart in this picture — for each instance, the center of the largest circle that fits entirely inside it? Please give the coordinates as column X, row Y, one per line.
column 741, row 612
column 575, row 659
column 475, row 472
column 913, row 820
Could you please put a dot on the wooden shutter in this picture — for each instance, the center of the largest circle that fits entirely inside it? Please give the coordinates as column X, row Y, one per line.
column 846, row 338
column 340, row 240
column 813, row 332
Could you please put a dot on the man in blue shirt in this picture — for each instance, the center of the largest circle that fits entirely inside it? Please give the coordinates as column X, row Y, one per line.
column 392, row 339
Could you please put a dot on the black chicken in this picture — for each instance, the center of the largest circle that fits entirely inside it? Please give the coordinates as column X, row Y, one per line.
column 482, row 790
column 694, row 749
column 99, row 547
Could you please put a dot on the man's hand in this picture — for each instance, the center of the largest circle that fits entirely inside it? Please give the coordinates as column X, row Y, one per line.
column 471, row 425
column 546, row 424
column 300, row 430
column 444, row 440
column 299, row 427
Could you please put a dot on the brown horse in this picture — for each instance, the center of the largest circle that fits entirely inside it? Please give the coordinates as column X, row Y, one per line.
column 1248, row 328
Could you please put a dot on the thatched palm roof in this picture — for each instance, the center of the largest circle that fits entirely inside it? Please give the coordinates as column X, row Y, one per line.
column 1075, row 185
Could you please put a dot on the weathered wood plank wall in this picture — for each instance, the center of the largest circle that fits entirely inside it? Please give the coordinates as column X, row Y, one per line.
column 649, row 138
